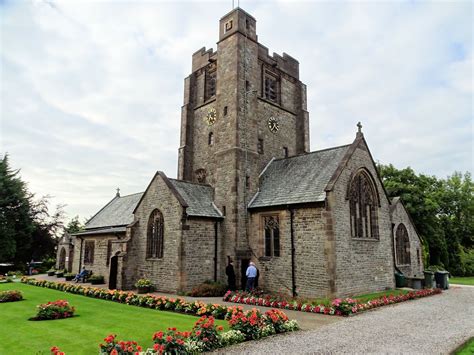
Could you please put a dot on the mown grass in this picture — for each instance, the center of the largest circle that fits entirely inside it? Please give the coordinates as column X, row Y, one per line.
column 462, row 280
column 466, row 349
column 83, row 333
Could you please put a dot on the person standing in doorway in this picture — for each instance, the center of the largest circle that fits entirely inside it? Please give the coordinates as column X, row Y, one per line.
column 230, row 272
column 251, row 274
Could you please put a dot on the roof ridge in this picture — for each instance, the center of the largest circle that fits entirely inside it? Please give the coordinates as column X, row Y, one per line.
column 316, row 151
column 136, row 193
column 190, row 182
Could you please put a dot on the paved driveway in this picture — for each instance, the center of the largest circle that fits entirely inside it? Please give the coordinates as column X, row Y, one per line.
column 432, row 325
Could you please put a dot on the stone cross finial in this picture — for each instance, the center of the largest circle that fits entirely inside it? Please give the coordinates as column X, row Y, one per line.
column 359, row 127
column 118, row 192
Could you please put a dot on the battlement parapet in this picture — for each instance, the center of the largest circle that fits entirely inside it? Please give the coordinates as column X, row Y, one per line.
column 202, row 58
column 285, row 62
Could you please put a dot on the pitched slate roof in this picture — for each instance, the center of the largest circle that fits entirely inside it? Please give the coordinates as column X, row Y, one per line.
column 298, row 179
column 198, row 198
column 118, row 212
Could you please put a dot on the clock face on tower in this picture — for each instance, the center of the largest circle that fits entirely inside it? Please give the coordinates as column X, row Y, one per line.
column 273, row 124
column 211, row 116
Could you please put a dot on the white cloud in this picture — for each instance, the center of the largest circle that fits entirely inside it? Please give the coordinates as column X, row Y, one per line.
column 91, row 91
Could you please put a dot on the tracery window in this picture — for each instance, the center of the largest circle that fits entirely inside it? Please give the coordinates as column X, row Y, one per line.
column 271, row 235
column 154, row 241
column 363, row 204
column 402, row 245
column 89, row 252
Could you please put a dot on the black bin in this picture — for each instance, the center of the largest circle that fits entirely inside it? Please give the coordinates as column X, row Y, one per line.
column 441, row 278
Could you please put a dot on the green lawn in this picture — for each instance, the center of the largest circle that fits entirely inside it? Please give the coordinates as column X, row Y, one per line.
column 81, row 334
column 371, row 296
column 466, row 349
column 462, row 280
column 361, row 298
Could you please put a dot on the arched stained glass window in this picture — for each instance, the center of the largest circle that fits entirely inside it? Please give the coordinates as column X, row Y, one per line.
column 154, row 242
column 363, row 204
column 402, row 245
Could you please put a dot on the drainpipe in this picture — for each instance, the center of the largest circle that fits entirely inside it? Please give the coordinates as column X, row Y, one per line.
column 293, row 252
column 80, row 255
column 215, row 251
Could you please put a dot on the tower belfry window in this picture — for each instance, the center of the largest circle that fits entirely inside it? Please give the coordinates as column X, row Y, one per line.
column 270, row 86
column 211, row 76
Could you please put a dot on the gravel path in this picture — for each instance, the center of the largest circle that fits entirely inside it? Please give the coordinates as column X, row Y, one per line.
column 432, row 325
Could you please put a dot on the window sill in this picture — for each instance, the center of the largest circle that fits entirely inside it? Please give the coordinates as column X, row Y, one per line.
column 153, row 259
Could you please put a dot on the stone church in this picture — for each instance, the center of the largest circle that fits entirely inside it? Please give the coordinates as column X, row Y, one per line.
column 317, row 224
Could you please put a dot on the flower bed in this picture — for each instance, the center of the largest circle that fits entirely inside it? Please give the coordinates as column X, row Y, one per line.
column 10, row 296
column 54, row 310
column 205, row 335
column 339, row 307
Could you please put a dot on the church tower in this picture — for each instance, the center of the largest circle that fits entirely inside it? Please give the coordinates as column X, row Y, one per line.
column 242, row 107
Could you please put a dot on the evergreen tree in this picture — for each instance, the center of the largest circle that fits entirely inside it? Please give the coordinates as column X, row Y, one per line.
column 16, row 223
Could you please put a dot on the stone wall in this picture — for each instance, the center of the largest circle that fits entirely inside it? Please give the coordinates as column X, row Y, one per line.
column 163, row 272
column 102, row 253
column 361, row 265
column 311, row 276
column 415, row 269
column 198, row 247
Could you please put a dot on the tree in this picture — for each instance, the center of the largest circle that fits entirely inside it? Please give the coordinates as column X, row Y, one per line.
column 74, row 225
column 442, row 210
column 16, row 223
column 27, row 228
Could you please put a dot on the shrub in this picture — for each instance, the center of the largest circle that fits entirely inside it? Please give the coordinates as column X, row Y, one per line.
column 344, row 306
column 249, row 323
column 231, row 337
column 143, row 283
column 4, row 279
column 56, row 351
column 97, row 279
column 121, row 347
column 277, row 319
column 209, row 289
column 10, row 296
column 54, row 310
column 170, row 342
column 205, row 331
column 15, row 273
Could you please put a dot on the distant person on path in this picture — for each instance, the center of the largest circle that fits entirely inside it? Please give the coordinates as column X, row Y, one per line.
column 80, row 275
column 251, row 274
column 230, row 272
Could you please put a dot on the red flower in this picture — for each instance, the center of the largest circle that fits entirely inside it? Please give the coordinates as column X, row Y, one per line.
column 169, row 338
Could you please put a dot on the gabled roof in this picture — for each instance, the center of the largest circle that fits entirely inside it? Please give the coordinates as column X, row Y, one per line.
column 198, row 198
column 118, row 212
column 298, row 179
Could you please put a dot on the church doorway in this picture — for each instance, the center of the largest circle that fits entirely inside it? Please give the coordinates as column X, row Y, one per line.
column 113, row 273
column 244, row 264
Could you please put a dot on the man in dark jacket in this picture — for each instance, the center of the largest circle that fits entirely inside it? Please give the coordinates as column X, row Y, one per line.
column 230, row 272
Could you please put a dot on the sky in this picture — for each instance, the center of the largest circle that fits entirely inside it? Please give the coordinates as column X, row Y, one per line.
column 91, row 91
